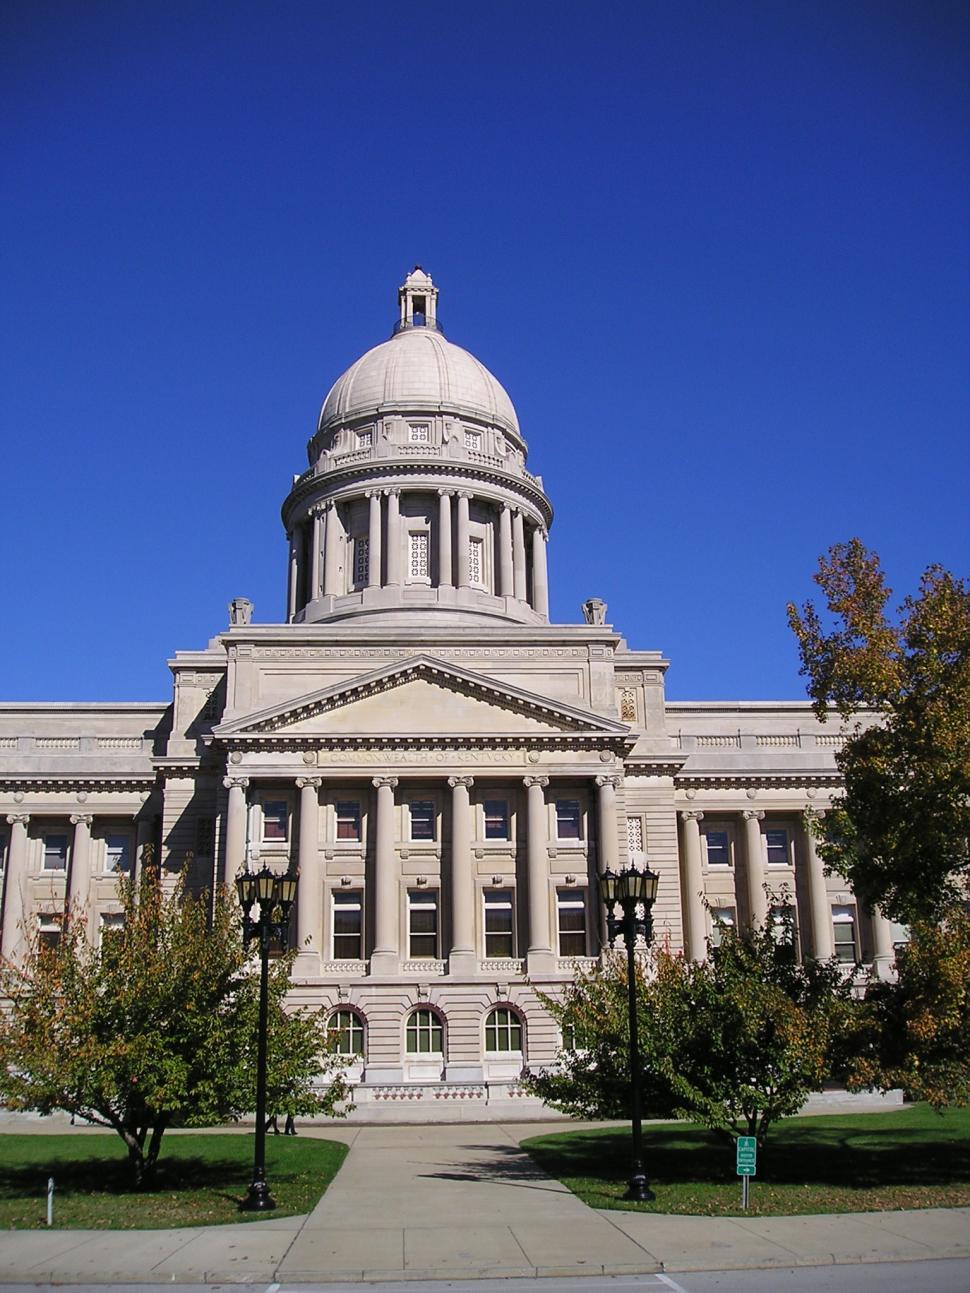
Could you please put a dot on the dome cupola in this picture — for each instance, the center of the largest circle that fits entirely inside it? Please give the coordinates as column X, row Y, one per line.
column 417, row 496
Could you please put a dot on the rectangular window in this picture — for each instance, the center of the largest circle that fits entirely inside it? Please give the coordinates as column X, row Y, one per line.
column 722, row 918
column 475, row 550
column 117, row 853
column 348, row 925
column 419, row 554
column 48, row 931
column 422, row 924
column 348, row 820
column 365, row 439
column 276, row 820
column 419, row 433
column 55, row 853
column 473, row 439
column 776, row 848
column 782, row 923
column 205, row 837
column 496, row 813
column 634, row 834
column 361, row 561
column 568, row 819
column 499, row 923
column 718, row 848
column 571, row 908
column 844, row 929
column 421, row 812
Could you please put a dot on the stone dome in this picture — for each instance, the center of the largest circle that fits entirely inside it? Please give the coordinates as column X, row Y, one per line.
column 418, row 370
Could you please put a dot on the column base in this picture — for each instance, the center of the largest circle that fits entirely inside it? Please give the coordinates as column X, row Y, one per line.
column 306, row 965
column 464, row 963
column 541, row 960
column 384, row 963
column 884, row 969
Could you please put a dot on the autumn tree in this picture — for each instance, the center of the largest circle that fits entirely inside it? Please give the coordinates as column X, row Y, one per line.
column 155, row 1027
column 899, row 831
column 914, row 1033
column 735, row 1042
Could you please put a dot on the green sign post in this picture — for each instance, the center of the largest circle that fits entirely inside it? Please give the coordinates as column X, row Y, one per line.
column 747, row 1165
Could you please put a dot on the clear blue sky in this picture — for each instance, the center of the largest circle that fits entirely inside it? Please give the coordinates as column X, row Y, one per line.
column 717, row 252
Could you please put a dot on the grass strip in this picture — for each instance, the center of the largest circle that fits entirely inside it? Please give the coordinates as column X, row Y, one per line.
column 200, row 1180
column 913, row 1158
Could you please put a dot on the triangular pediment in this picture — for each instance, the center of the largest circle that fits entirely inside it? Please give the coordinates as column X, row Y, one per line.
column 421, row 697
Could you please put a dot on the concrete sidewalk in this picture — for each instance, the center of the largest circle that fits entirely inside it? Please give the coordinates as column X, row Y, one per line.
column 453, row 1202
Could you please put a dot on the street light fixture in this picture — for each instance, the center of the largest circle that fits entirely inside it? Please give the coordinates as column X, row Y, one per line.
column 272, row 897
column 634, row 892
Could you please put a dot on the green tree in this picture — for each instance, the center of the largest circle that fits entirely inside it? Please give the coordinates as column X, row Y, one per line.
column 914, row 1033
column 156, row 1027
column 899, row 831
column 735, row 1042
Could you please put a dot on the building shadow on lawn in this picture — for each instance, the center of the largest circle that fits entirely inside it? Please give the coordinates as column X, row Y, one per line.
column 794, row 1155
column 80, row 1176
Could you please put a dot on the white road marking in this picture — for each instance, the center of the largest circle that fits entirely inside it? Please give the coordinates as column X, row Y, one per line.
column 671, row 1284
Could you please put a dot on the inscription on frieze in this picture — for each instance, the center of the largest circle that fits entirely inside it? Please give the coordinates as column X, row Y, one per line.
column 398, row 653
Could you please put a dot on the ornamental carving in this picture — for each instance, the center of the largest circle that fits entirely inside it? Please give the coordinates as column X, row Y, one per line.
column 628, row 705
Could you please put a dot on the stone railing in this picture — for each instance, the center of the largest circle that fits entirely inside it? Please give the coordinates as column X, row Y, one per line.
column 790, row 741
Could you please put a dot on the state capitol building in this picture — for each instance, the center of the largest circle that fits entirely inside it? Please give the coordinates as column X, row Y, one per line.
column 445, row 768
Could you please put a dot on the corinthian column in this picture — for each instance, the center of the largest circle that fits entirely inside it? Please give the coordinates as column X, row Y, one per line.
column 823, row 938
column 445, row 579
column 541, row 958
column 79, row 881
column 754, row 858
column 518, row 555
column 309, row 898
column 462, row 958
column 235, row 828
column 374, row 539
column 883, row 951
column 315, row 558
column 13, row 937
column 609, row 844
column 464, row 534
column 393, row 536
column 540, row 574
column 332, row 556
column 385, row 958
column 292, row 582
column 692, row 885
column 506, row 580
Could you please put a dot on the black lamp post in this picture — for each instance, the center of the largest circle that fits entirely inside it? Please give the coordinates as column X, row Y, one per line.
column 632, row 890
column 272, row 896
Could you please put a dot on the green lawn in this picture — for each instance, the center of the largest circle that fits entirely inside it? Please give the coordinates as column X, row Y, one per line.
column 914, row 1158
column 201, row 1179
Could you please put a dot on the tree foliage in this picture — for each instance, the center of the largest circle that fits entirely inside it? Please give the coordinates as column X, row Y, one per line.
column 157, row 1026
column 914, row 1033
column 899, row 832
column 734, row 1042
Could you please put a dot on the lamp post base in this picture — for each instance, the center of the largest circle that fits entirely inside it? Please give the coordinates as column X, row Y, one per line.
column 638, row 1190
column 258, row 1199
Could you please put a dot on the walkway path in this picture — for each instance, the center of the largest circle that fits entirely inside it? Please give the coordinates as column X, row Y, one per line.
column 464, row 1201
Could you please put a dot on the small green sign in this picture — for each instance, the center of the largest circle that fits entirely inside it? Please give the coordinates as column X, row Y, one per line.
column 747, row 1155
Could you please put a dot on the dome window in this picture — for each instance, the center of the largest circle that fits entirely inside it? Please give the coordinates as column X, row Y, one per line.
column 473, row 440
column 419, row 433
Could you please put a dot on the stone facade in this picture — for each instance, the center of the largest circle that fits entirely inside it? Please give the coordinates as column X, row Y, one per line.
column 446, row 769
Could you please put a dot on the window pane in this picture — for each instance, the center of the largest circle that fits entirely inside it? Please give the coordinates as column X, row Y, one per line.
column 776, row 846
column 567, row 819
column 422, row 924
column 721, row 918
column 571, row 907
column 718, row 852
column 496, row 819
column 503, row 1031
column 425, row 1035
column 361, row 561
column 346, row 1031
column 475, row 561
column 422, row 820
column 275, row 819
column 844, row 929
column 117, row 853
column 55, row 852
column 348, row 925
column 348, row 820
column 499, row 917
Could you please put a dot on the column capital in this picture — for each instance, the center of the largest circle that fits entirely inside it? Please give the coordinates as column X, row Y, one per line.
column 240, row 783
column 373, row 493
column 753, row 814
column 378, row 782
column 691, row 815
column 467, row 782
column 393, row 491
column 446, row 493
column 81, row 819
column 18, row 819
column 464, row 493
column 541, row 782
column 304, row 782
column 610, row 779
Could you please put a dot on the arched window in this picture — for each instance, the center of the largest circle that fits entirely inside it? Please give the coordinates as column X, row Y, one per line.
column 425, row 1034
column 503, row 1031
column 346, row 1033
